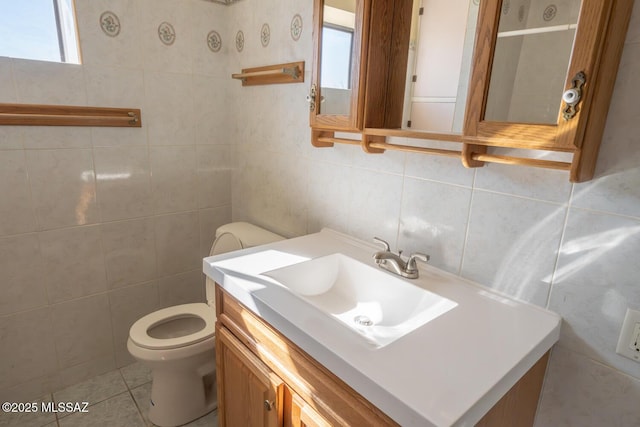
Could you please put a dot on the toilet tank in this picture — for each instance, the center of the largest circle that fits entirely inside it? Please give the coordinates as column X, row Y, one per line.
column 241, row 235
column 233, row 237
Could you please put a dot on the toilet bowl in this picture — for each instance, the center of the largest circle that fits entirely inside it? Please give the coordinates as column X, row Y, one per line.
column 178, row 343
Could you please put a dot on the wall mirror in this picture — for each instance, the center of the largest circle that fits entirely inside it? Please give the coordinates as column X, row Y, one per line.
column 335, row 98
column 439, row 64
column 531, row 59
column 336, row 67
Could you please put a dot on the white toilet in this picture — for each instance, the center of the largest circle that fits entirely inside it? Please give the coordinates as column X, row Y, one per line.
column 178, row 343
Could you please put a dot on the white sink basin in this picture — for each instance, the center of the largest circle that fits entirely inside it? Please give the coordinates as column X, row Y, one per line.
column 378, row 306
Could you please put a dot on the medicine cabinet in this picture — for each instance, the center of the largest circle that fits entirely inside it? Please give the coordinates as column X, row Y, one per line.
column 357, row 78
column 524, row 74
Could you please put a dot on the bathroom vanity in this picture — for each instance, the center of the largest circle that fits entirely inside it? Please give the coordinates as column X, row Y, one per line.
column 287, row 355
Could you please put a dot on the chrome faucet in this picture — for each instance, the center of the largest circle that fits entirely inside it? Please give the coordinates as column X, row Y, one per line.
column 394, row 262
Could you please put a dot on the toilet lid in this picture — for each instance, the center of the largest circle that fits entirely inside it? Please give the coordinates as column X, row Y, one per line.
column 139, row 331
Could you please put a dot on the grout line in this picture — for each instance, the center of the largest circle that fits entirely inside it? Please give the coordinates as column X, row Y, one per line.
column 467, row 225
column 560, row 244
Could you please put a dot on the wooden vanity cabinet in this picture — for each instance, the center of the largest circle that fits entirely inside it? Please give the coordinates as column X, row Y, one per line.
column 266, row 380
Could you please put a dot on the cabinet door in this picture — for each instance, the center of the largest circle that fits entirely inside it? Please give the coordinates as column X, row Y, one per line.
column 525, row 59
column 250, row 395
column 301, row 414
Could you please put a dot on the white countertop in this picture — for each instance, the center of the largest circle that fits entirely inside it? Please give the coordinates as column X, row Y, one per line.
column 449, row 372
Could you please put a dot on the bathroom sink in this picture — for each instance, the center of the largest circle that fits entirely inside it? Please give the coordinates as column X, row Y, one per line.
column 376, row 305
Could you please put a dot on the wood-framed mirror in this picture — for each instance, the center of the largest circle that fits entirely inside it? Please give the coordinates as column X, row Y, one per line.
column 336, row 101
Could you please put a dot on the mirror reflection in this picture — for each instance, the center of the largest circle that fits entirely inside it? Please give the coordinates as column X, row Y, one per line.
column 532, row 54
column 338, row 26
column 441, row 49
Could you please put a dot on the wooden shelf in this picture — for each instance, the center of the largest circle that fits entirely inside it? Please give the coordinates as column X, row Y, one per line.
column 292, row 72
column 65, row 115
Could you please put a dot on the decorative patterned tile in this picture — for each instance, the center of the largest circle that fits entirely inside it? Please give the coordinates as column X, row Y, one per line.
column 296, row 27
column 239, row 41
column 166, row 33
column 265, row 35
column 214, row 41
column 110, row 23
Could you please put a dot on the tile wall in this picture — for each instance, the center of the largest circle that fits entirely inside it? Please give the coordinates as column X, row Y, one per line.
column 526, row 232
column 110, row 248
column 99, row 226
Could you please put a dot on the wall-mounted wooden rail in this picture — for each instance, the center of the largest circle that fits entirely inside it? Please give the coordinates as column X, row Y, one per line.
column 66, row 115
column 331, row 140
column 412, row 149
column 522, row 161
column 292, row 72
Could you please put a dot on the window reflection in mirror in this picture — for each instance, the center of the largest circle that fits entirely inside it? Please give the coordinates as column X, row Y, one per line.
column 533, row 49
column 441, row 49
column 338, row 26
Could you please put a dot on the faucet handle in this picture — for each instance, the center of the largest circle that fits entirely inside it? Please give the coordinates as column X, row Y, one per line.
column 411, row 263
column 383, row 243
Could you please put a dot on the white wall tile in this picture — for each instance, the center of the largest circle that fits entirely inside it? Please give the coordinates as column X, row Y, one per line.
column 328, row 196
column 440, row 168
column 537, row 183
column 595, row 281
column 581, row 392
column 27, row 342
column 73, row 262
column 114, row 87
column 174, row 178
column 205, row 18
column 129, row 251
column 100, row 49
column 374, row 206
column 123, row 178
column 433, row 221
column 183, row 288
column 210, row 220
column 22, row 282
column 168, row 108
column 176, row 57
column 11, row 137
column 127, row 306
column 177, row 243
column 49, row 137
column 17, row 214
column 214, row 176
column 63, row 187
column 7, row 85
column 115, row 137
column 211, row 118
column 82, row 330
column 42, row 82
column 512, row 245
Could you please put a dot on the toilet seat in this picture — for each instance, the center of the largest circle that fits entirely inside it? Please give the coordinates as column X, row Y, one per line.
column 139, row 331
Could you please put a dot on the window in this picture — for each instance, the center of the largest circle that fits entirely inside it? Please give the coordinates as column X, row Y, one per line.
column 336, row 68
column 39, row 29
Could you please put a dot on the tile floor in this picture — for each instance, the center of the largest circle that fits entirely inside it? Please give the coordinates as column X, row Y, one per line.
column 118, row 398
